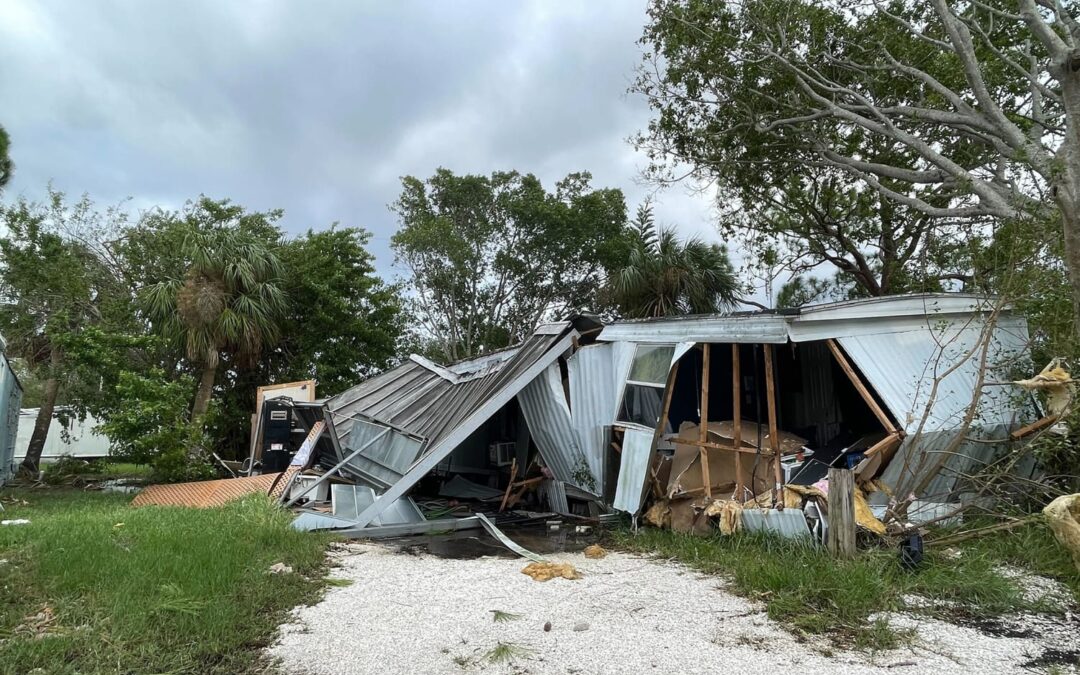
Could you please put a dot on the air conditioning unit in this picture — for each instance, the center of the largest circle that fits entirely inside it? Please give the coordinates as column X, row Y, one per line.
column 501, row 454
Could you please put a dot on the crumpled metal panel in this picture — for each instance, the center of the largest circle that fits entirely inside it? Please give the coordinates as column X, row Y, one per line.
column 902, row 367
column 753, row 328
column 596, row 375
column 386, row 460
column 789, row 523
column 633, row 469
column 544, row 405
column 349, row 501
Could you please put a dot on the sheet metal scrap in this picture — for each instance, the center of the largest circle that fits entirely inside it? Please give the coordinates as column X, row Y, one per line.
column 208, row 493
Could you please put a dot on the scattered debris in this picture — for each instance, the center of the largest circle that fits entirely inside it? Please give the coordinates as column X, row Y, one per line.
column 595, row 551
column 546, row 571
column 280, row 568
column 547, row 626
column 1063, row 516
column 39, row 624
column 581, row 626
column 16, row 521
column 500, row 616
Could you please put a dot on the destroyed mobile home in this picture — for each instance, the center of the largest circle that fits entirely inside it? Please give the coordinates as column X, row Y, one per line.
column 692, row 423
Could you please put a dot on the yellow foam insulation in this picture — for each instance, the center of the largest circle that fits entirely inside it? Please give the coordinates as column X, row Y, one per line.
column 595, row 551
column 546, row 571
column 1056, row 382
column 728, row 513
column 659, row 514
column 1063, row 517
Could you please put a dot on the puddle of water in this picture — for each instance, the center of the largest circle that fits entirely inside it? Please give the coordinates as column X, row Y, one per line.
column 469, row 544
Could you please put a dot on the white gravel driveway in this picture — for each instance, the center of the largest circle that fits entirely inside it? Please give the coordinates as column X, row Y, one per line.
column 408, row 613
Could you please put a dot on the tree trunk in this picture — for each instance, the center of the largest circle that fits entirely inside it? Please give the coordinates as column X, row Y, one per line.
column 1067, row 186
column 32, row 460
column 202, row 397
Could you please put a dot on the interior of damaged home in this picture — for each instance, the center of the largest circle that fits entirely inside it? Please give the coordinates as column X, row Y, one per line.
column 698, row 424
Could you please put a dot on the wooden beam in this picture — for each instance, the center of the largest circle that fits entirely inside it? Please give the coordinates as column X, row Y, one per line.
column 703, row 424
column 509, row 486
column 736, row 419
column 841, row 537
column 716, row 446
column 860, row 387
column 1034, row 426
column 774, row 432
column 662, row 422
column 882, row 445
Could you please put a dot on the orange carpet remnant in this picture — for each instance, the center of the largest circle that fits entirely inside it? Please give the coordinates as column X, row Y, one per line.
column 210, row 493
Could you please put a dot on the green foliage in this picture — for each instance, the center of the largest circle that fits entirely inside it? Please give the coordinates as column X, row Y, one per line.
column 149, row 425
column 489, row 257
column 344, row 322
column 735, row 93
column 230, row 296
column 664, row 276
column 6, row 165
column 149, row 590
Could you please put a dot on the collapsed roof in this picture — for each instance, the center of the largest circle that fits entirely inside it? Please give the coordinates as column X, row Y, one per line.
column 924, row 356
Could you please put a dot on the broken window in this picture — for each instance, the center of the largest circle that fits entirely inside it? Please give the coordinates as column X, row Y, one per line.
column 644, row 391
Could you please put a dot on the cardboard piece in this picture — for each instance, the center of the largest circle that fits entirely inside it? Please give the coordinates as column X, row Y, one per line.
column 684, row 471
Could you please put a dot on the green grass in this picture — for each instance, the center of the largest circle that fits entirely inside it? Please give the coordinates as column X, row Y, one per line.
column 148, row 590
column 805, row 588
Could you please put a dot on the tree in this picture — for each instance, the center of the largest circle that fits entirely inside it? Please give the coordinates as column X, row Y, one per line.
column 53, row 288
column 6, row 165
column 959, row 112
column 664, row 276
column 489, row 257
column 230, row 297
column 345, row 322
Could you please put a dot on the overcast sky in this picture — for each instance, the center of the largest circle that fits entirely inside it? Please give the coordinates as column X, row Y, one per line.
column 319, row 107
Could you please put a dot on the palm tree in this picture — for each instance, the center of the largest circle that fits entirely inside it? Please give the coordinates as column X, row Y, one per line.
column 666, row 276
column 229, row 300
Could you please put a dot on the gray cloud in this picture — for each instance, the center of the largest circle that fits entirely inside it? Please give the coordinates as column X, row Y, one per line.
column 319, row 108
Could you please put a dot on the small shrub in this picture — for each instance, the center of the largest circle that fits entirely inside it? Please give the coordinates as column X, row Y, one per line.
column 177, row 465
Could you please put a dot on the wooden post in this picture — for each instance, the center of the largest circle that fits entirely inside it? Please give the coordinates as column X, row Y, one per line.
column 658, row 489
column 703, row 425
column 736, row 419
column 774, row 432
column 841, row 538
column 860, row 387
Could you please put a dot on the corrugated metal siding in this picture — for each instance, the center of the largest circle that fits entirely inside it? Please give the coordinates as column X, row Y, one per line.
column 633, row 469
column 917, row 456
column 759, row 328
column 425, row 404
column 902, row 367
column 10, row 399
column 548, row 416
column 596, row 378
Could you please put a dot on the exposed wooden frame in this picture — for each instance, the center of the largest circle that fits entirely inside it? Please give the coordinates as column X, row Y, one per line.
column 774, row 433
column 1037, row 425
column 736, row 418
column 715, row 446
column 845, row 365
column 703, row 425
column 669, row 391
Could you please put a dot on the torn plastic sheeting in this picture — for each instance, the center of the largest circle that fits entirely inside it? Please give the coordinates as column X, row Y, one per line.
column 507, row 541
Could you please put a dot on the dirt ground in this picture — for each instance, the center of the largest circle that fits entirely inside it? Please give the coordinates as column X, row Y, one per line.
column 408, row 611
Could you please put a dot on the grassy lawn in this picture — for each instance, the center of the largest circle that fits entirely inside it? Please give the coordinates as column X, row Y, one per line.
column 92, row 585
column 810, row 591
